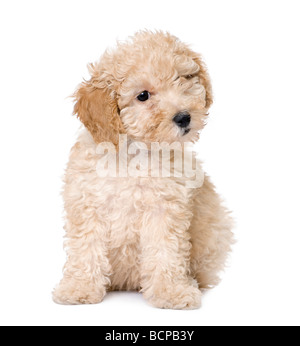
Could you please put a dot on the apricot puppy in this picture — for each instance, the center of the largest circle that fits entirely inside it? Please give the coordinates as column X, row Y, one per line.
column 150, row 232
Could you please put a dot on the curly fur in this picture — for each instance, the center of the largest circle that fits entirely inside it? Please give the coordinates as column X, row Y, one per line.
column 149, row 234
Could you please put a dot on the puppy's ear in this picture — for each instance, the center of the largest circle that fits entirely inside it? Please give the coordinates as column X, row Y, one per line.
column 205, row 81
column 99, row 113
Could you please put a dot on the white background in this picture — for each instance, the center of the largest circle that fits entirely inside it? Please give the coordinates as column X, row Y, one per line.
column 250, row 148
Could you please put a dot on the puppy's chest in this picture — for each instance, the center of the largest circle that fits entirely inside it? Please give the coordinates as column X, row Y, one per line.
column 128, row 201
column 125, row 212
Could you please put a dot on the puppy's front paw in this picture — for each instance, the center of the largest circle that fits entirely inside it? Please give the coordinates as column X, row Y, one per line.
column 178, row 298
column 74, row 292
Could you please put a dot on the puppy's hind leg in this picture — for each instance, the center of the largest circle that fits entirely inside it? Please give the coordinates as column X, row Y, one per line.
column 211, row 236
column 86, row 273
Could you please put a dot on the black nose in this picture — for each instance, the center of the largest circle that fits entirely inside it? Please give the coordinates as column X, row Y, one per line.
column 182, row 119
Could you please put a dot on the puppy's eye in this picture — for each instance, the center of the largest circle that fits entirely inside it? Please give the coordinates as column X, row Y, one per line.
column 190, row 76
column 144, row 96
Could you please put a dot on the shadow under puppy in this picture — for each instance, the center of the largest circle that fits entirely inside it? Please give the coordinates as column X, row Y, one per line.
column 153, row 234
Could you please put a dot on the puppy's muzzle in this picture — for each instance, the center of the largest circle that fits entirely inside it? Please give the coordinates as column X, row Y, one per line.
column 182, row 119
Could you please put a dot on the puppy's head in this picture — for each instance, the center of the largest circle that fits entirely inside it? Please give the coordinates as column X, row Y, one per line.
column 153, row 88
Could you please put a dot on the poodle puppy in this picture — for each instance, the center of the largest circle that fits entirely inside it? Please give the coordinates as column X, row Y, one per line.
column 155, row 234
